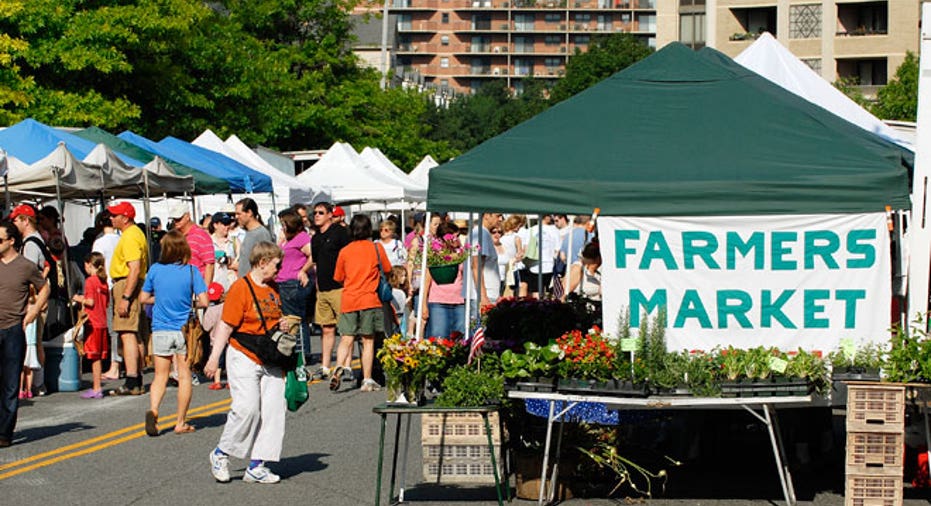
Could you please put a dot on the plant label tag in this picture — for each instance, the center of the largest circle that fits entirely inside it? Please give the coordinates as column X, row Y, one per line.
column 848, row 347
column 629, row 344
column 778, row 365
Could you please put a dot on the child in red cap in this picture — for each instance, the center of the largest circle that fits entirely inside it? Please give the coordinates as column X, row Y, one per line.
column 211, row 317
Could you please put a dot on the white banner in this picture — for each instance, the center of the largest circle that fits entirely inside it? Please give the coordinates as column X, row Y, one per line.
column 787, row 281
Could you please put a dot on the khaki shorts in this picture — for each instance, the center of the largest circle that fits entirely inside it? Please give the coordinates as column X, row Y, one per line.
column 327, row 310
column 131, row 322
column 362, row 323
column 168, row 342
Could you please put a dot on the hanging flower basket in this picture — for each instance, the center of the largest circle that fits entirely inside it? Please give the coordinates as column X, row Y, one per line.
column 444, row 274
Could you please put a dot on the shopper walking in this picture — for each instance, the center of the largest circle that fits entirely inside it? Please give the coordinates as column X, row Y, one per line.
column 325, row 247
column 247, row 214
column 256, row 419
column 17, row 275
column 170, row 286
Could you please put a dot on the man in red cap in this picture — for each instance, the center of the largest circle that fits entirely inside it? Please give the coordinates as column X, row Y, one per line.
column 127, row 271
column 200, row 242
column 339, row 216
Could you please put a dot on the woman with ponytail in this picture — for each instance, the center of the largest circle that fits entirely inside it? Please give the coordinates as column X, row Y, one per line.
column 95, row 300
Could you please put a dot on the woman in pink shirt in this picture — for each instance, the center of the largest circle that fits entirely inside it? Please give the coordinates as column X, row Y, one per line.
column 294, row 279
column 445, row 306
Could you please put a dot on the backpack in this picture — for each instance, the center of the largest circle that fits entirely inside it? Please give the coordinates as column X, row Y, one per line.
column 59, row 318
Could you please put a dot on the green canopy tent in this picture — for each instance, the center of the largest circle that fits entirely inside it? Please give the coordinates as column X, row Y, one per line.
column 204, row 184
column 679, row 134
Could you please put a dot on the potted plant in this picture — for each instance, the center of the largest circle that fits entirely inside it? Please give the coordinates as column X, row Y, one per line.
column 469, row 386
column 534, row 369
column 862, row 363
column 589, row 358
column 444, row 254
column 811, row 368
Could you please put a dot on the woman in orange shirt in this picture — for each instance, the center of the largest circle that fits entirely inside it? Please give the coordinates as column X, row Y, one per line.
column 358, row 268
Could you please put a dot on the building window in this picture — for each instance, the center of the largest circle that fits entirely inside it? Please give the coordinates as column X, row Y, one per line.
column 523, row 44
column 813, row 64
column 582, row 17
column 552, row 63
column 805, row 21
column 553, row 40
column 444, row 40
column 754, row 21
column 481, row 22
column 445, row 18
column 404, row 22
column 523, row 22
column 863, row 72
column 552, row 17
column 444, row 63
column 692, row 30
column 871, row 18
column 646, row 22
column 581, row 40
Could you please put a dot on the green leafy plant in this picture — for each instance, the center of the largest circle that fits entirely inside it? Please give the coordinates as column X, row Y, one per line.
column 587, row 355
column 535, row 362
column 869, row 356
column 701, row 374
column 909, row 357
column 468, row 386
column 606, row 455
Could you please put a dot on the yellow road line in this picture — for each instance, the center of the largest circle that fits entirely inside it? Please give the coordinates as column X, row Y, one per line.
column 95, row 448
column 224, row 404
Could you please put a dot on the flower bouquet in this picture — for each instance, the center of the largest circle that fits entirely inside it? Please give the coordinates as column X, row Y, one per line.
column 408, row 364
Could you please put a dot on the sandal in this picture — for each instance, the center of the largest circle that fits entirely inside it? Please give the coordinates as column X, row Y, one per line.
column 216, row 386
column 151, row 423
column 185, row 429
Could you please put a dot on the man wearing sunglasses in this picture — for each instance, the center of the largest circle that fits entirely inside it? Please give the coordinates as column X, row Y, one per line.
column 17, row 275
column 325, row 247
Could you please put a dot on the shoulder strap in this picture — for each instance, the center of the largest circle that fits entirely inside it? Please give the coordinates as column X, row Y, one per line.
column 193, row 303
column 42, row 247
column 258, row 307
column 378, row 259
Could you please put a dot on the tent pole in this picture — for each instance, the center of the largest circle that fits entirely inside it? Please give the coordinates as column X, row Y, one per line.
column 540, row 255
column 5, row 168
column 919, row 230
column 423, row 278
column 148, row 216
column 468, row 281
column 271, row 223
column 61, row 206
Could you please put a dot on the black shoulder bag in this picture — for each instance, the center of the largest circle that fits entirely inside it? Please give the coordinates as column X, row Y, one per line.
column 275, row 347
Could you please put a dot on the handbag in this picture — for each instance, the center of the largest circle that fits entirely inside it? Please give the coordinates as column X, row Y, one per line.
column 295, row 387
column 193, row 332
column 384, row 287
column 275, row 347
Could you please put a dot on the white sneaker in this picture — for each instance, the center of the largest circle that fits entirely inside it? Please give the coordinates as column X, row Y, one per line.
column 260, row 474
column 220, row 466
column 370, row 385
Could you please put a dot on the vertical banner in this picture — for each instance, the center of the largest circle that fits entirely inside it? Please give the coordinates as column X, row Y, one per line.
column 787, row 281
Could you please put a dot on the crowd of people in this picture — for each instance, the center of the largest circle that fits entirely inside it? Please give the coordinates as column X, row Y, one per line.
column 147, row 294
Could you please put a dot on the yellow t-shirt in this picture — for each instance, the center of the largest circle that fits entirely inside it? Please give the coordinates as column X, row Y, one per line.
column 132, row 246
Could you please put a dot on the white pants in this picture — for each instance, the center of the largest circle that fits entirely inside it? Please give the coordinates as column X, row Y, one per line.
column 256, row 417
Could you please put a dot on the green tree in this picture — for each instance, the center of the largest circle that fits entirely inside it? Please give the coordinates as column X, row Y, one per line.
column 606, row 56
column 898, row 100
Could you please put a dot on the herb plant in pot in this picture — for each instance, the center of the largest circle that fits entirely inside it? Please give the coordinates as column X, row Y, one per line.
column 444, row 254
column 469, row 386
column 533, row 370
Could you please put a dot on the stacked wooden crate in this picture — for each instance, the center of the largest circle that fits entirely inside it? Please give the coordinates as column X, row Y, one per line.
column 875, row 444
column 455, row 447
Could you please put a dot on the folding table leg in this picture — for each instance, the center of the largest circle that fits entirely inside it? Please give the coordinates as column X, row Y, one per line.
column 381, row 457
column 494, row 465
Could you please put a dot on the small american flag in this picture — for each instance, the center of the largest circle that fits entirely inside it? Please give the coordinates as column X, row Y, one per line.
column 475, row 345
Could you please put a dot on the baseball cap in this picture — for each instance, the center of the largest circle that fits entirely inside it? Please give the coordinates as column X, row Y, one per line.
column 222, row 217
column 338, row 211
column 123, row 208
column 23, row 210
column 155, row 221
column 178, row 209
column 214, row 291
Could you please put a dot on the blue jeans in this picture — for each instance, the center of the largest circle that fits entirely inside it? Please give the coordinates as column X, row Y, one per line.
column 294, row 301
column 445, row 319
column 12, row 355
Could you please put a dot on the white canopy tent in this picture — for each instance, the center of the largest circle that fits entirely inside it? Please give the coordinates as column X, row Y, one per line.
column 771, row 60
column 421, row 173
column 343, row 175
column 288, row 190
column 379, row 162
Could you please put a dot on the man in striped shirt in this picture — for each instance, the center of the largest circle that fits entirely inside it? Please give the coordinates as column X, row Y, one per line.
column 202, row 255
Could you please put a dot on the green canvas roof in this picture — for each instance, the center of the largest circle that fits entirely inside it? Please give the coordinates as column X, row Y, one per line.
column 679, row 133
column 204, row 184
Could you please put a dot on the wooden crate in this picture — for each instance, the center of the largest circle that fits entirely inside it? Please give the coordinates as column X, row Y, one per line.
column 872, row 490
column 875, row 408
column 460, row 470
column 875, row 453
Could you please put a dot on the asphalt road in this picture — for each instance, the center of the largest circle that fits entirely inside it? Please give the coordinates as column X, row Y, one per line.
column 73, row 451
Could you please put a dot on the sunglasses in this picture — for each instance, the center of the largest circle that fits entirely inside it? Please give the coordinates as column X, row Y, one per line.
column 495, row 231
column 320, row 213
